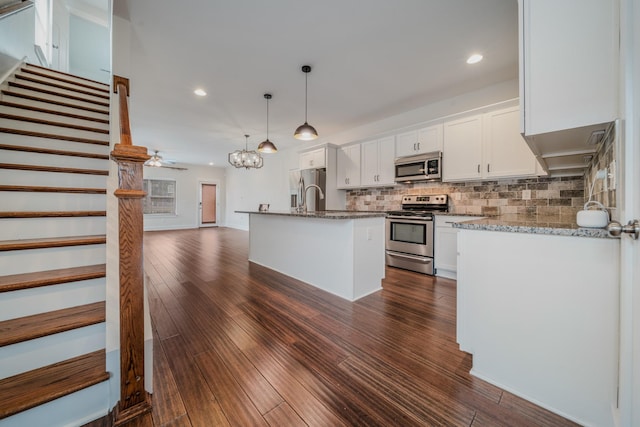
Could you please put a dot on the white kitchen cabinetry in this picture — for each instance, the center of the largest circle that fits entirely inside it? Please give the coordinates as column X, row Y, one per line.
column 377, row 167
column 486, row 146
column 348, row 167
column 446, row 245
column 569, row 54
column 419, row 141
column 314, row 159
column 540, row 314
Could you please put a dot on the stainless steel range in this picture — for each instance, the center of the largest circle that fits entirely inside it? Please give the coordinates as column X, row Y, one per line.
column 409, row 232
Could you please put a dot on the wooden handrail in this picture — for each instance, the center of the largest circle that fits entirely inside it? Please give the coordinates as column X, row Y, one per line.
column 134, row 399
column 15, row 7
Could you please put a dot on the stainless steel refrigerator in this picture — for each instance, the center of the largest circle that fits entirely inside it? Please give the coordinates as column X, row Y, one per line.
column 309, row 176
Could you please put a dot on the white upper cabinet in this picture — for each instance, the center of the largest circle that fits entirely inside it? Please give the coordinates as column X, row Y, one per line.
column 314, row 159
column 486, row 146
column 348, row 167
column 419, row 141
column 569, row 54
column 506, row 153
column 377, row 162
column 462, row 154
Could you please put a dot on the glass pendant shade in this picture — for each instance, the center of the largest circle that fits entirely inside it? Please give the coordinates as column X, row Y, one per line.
column 305, row 132
column 245, row 158
column 267, row 146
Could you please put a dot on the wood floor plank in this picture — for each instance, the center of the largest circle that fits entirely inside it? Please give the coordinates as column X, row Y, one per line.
column 167, row 401
column 295, row 355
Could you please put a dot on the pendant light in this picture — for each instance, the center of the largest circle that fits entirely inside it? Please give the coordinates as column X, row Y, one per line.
column 245, row 158
column 267, row 146
column 305, row 132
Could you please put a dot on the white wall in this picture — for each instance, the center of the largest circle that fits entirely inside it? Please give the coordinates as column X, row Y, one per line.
column 88, row 49
column 187, row 196
column 17, row 35
column 247, row 189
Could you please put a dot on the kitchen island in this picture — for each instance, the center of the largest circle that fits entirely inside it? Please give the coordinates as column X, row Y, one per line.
column 538, row 309
column 341, row 252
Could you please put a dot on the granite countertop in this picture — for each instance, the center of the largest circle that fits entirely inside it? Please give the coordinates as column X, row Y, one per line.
column 324, row 214
column 550, row 225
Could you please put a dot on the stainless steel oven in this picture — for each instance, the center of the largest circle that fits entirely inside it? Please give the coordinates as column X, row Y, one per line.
column 409, row 233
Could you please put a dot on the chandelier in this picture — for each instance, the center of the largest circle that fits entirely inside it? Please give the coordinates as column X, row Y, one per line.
column 245, row 158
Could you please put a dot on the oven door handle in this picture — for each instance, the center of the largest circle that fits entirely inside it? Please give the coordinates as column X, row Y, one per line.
column 424, row 260
column 411, row 219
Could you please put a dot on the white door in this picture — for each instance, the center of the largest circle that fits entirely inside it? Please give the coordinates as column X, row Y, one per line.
column 629, row 194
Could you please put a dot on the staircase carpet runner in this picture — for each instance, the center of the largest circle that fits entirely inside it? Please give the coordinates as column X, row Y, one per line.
column 36, row 168
column 50, row 101
column 51, row 123
column 104, row 89
column 53, row 92
column 30, row 389
column 51, row 151
column 40, row 189
column 16, row 282
column 52, row 214
column 50, row 71
column 51, row 242
column 53, row 322
column 60, row 86
column 57, row 113
column 54, row 136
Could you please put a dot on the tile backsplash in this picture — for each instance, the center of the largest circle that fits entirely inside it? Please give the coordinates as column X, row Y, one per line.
column 562, row 197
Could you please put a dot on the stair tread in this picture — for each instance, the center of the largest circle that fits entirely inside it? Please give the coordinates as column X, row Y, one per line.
column 38, row 168
column 21, row 281
column 50, row 70
column 54, row 136
column 54, row 93
column 52, row 123
column 51, row 214
column 51, row 151
column 53, row 322
column 51, row 242
column 50, row 101
column 33, row 388
column 60, row 86
column 42, row 189
column 49, row 111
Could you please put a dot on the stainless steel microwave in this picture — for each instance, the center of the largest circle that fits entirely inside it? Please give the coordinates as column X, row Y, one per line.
column 423, row 167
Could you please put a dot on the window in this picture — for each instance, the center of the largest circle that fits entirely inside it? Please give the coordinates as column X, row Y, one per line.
column 161, row 196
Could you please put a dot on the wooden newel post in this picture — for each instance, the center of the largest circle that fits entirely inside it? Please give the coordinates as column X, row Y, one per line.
column 134, row 399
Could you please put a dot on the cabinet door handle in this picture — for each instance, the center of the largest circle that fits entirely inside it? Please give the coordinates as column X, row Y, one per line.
column 414, row 146
column 478, row 168
column 418, row 146
column 488, row 167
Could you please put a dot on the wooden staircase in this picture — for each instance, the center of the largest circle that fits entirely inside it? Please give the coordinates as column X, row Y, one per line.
column 54, row 161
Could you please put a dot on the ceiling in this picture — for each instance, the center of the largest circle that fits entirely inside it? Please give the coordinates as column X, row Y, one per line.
column 370, row 59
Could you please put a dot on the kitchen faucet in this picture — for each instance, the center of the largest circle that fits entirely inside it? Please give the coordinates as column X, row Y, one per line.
column 302, row 201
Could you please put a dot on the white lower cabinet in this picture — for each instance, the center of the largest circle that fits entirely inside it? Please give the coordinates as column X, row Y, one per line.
column 446, row 245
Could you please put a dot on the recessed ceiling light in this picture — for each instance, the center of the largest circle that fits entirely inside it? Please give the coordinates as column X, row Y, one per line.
column 210, row 163
column 200, row 92
column 474, row 59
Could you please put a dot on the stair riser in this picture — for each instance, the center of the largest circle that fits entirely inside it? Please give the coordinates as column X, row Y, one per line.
column 35, row 228
column 20, row 177
column 20, row 202
column 36, row 87
column 34, row 260
column 47, row 105
column 26, row 302
column 56, row 98
column 66, row 77
column 42, row 159
column 33, row 354
column 53, row 130
column 53, row 144
column 52, row 117
column 73, row 410
column 69, row 86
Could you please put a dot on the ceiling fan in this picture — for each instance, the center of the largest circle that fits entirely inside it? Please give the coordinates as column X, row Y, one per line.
column 156, row 161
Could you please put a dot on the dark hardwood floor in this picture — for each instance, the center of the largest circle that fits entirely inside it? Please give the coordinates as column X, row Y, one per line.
column 238, row 344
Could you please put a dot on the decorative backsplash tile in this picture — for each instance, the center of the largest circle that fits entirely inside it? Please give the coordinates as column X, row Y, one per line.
column 531, row 196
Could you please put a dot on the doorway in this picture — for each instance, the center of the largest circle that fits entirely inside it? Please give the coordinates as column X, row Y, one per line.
column 208, row 204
